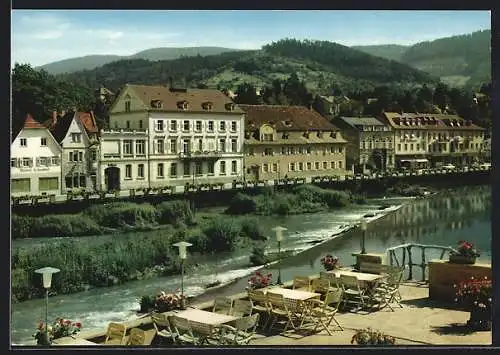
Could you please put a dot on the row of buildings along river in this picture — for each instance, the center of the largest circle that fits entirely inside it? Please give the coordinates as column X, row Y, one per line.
column 165, row 136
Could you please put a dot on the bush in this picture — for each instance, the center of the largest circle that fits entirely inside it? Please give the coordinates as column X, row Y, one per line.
column 251, row 228
column 120, row 214
column 258, row 256
column 63, row 225
column 221, row 234
column 174, row 212
column 21, row 226
column 241, row 204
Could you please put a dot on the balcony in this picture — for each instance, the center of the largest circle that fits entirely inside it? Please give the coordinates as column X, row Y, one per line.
column 200, row 155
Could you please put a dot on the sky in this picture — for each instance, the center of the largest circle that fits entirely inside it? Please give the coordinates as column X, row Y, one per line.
column 40, row 36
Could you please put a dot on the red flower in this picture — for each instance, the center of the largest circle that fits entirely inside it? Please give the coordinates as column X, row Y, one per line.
column 78, row 324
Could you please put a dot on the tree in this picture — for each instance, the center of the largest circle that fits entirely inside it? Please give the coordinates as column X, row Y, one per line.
column 246, row 94
column 440, row 96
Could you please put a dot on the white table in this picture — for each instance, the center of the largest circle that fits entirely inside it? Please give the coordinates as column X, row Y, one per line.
column 205, row 317
column 69, row 341
column 293, row 294
column 361, row 276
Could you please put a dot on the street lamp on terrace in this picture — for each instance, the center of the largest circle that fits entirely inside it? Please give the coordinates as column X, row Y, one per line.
column 46, row 273
column 363, row 227
column 279, row 237
column 182, row 255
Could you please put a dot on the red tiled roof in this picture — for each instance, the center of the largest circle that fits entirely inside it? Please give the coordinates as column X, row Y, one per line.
column 285, row 118
column 196, row 98
column 428, row 121
column 29, row 122
column 88, row 121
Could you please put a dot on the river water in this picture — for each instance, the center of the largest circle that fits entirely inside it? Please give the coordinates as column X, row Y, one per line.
column 461, row 214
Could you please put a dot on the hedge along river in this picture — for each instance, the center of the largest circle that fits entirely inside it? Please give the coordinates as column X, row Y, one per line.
column 463, row 213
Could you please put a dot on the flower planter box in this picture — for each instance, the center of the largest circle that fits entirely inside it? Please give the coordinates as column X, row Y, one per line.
column 480, row 319
column 462, row 259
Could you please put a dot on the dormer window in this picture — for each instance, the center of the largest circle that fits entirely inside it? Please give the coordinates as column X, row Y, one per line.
column 207, row 105
column 284, row 136
column 287, row 123
column 319, row 134
column 156, row 104
column 333, row 135
column 229, row 106
column 127, row 106
column 306, row 135
column 247, row 134
column 182, row 105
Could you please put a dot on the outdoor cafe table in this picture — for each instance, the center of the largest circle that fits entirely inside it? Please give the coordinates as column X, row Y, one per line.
column 205, row 317
column 67, row 341
column 293, row 294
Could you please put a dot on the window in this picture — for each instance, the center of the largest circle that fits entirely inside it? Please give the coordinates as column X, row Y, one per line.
column 27, row 162
column 399, row 146
column 234, row 167
column 234, row 145
column 76, row 137
column 127, row 106
column 292, row 150
column 267, row 137
column 80, row 156
column 222, row 125
column 186, row 144
column 47, row 184
column 93, row 155
column 159, row 125
column 173, row 125
column 210, row 167
column 411, row 146
column 250, row 151
column 233, row 126
column 301, row 166
column 20, row 185
column 173, row 170
column 43, row 142
column 140, row 147
column 308, row 150
column 55, row 160
column 316, row 165
column 210, row 126
column 160, row 146
column 268, row 151
column 222, row 168
column 140, row 171
column 23, row 142
column 127, row 147
column 332, row 149
column 198, row 168
column 308, row 165
column 185, row 126
column 406, row 146
column 332, row 165
column 200, row 145
column 418, row 146
column 341, row 150
column 140, row 124
column 128, row 124
column 187, row 170
column 173, row 145
column 292, row 166
column 13, row 163
column 159, row 170
column 340, row 164
column 265, row 168
column 128, row 171
column 75, row 180
column 325, row 165
column 222, row 145
column 275, row 167
column 198, row 126
column 284, row 150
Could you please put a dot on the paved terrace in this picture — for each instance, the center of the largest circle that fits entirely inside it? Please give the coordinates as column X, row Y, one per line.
column 420, row 322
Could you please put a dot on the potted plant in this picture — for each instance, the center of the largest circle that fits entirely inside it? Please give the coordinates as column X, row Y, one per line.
column 367, row 337
column 59, row 329
column 466, row 253
column 330, row 262
column 166, row 302
column 475, row 295
column 259, row 280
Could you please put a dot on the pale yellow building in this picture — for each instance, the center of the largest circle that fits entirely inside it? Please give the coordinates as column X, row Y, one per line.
column 289, row 142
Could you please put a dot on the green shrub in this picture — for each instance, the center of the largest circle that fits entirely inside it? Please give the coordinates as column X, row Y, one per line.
column 174, row 212
column 21, row 226
column 251, row 228
column 222, row 234
column 258, row 256
column 241, row 204
column 120, row 214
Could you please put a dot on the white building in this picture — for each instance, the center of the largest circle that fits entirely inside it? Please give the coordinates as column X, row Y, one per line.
column 76, row 132
column 164, row 136
column 35, row 161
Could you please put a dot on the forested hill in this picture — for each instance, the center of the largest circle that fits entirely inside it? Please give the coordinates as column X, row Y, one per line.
column 463, row 60
column 323, row 66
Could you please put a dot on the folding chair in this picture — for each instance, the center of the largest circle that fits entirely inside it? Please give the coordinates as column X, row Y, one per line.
column 353, row 293
column 242, row 332
column 162, row 327
column 282, row 308
column 222, row 305
column 184, row 331
column 115, row 334
column 259, row 301
column 206, row 333
column 137, row 337
column 302, row 283
column 242, row 308
column 330, row 276
column 323, row 314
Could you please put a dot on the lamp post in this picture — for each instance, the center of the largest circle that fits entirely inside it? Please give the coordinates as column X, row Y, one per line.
column 46, row 273
column 279, row 237
column 182, row 255
column 363, row 227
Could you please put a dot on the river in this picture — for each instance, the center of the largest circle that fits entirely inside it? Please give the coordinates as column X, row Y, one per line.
column 461, row 214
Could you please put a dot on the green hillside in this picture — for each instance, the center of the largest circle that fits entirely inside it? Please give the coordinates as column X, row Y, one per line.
column 94, row 61
column 387, row 51
column 322, row 65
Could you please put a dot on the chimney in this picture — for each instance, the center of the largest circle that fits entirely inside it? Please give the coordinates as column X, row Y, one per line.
column 54, row 118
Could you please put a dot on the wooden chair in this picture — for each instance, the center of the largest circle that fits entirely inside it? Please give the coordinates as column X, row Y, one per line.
column 242, row 333
column 137, row 337
column 115, row 334
column 184, row 331
column 283, row 308
column 330, row 276
column 222, row 305
column 206, row 333
column 353, row 293
column 162, row 327
column 242, row 308
column 259, row 301
column 302, row 283
column 323, row 314
column 320, row 286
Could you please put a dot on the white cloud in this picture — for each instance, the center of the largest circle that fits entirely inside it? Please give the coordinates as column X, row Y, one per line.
column 44, row 38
